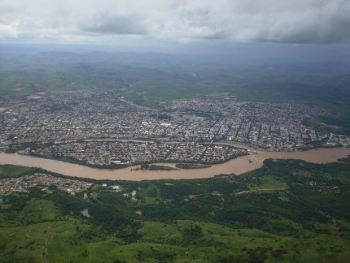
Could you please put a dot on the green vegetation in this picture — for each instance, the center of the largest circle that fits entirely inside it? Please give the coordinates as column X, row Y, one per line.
column 345, row 160
column 287, row 211
column 155, row 167
column 191, row 166
column 8, row 171
column 59, row 107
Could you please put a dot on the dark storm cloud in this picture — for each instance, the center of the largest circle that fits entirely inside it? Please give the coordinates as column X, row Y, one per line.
column 319, row 22
column 182, row 21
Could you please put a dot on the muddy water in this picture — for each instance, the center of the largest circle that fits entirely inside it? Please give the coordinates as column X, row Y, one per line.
column 238, row 166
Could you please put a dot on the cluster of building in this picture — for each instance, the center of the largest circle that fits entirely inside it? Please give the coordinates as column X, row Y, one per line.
column 264, row 126
column 130, row 152
column 73, row 116
column 22, row 184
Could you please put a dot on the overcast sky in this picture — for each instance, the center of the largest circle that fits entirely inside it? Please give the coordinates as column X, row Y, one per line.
column 158, row 23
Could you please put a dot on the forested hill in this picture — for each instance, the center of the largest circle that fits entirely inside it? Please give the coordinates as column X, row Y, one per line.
column 287, row 211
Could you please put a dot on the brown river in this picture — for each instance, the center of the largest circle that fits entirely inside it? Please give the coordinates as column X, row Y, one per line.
column 238, row 166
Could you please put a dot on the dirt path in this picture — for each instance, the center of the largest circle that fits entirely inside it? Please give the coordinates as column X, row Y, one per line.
column 44, row 252
column 259, row 190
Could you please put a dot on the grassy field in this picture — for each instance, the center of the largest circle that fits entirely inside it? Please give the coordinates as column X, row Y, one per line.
column 7, row 171
column 268, row 182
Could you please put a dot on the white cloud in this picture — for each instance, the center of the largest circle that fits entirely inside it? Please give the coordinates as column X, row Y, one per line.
column 9, row 30
column 297, row 21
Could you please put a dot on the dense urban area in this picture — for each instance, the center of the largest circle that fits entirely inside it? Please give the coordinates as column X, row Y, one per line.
column 102, row 128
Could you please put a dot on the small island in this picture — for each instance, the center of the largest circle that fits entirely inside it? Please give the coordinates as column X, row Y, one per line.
column 154, row 167
column 191, row 166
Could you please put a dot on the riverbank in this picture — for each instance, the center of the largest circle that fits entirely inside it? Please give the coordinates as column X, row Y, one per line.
column 237, row 166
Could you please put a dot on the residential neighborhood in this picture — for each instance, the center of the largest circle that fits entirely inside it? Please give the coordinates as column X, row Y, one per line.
column 119, row 152
column 21, row 184
column 102, row 128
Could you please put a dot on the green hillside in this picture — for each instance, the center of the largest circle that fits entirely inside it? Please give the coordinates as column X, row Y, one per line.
column 287, row 211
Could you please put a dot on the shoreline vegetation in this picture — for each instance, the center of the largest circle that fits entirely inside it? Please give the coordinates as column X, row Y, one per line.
column 344, row 160
column 153, row 167
column 191, row 166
